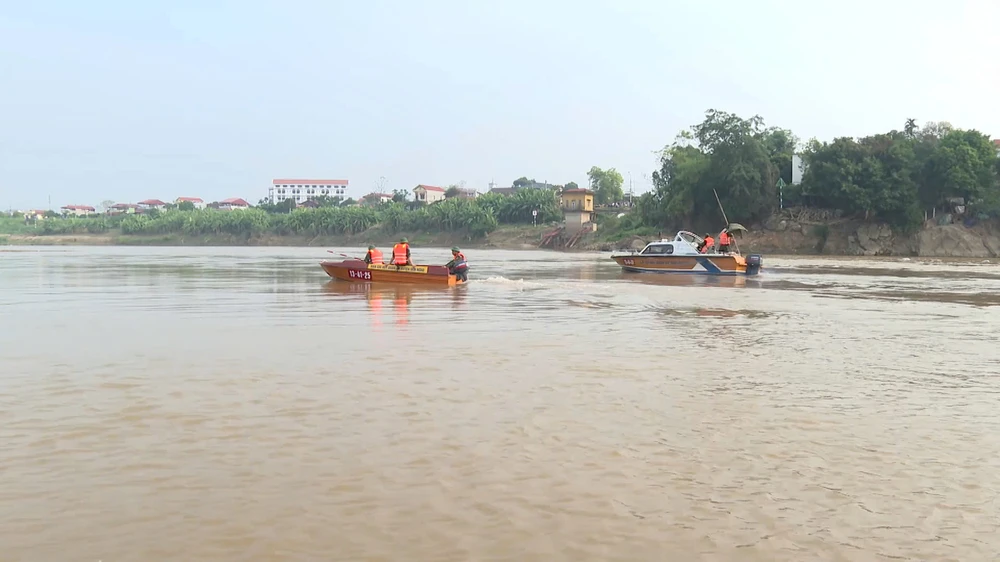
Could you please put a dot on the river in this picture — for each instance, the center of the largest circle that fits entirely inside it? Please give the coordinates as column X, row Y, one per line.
column 219, row 404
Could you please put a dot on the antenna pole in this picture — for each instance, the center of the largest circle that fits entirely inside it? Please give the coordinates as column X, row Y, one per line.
column 720, row 207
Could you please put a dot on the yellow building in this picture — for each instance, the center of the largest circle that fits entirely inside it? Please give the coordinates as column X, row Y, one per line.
column 578, row 209
column 579, row 200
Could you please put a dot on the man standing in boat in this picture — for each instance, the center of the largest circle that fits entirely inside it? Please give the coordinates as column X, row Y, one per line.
column 374, row 255
column 707, row 244
column 401, row 253
column 458, row 266
column 724, row 240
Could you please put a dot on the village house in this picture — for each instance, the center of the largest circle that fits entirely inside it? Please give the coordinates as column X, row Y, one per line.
column 467, row 193
column 120, row 208
column 152, row 204
column 232, row 203
column 78, row 210
column 198, row 203
column 428, row 194
column 376, row 198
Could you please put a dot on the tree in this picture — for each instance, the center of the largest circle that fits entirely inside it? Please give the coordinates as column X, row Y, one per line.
column 736, row 157
column 523, row 182
column 400, row 195
column 874, row 176
column 185, row 206
column 962, row 165
column 606, row 185
column 327, row 201
column 106, row 205
column 452, row 191
column 571, row 185
column 910, row 128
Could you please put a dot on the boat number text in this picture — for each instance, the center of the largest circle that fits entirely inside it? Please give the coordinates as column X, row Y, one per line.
column 628, row 261
column 355, row 274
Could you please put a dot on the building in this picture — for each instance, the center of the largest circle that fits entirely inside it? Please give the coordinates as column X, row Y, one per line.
column 78, row 210
column 304, row 190
column 996, row 142
column 503, row 190
column 198, row 203
column 151, row 204
column 376, row 198
column 428, row 194
column 466, row 193
column 232, row 203
column 578, row 209
column 119, row 208
column 798, row 169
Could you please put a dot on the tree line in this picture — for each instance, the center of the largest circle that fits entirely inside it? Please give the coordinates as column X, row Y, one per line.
column 893, row 177
column 474, row 217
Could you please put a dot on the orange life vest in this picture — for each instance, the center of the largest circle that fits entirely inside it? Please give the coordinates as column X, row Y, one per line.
column 723, row 239
column 399, row 253
column 375, row 255
column 709, row 242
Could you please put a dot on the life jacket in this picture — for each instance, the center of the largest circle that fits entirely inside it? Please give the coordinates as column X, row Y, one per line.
column 709, row 242
column 375, row 255
column 723, row 238
column 399, row 253
column 460, row 262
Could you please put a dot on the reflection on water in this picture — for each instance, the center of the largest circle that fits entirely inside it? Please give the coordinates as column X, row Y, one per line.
column 397, row 296
column 235, row 404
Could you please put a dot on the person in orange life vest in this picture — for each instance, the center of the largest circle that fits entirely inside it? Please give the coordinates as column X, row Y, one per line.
column 707, row 244
column 401, row 253
column 374, row 255
column 458, row 266
column 724, row 240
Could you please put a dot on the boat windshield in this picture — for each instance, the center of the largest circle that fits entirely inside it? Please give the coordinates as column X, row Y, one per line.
column 690, row 238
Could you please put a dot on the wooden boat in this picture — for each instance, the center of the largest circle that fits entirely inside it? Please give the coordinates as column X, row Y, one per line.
column 681, row 255
column 359, row 271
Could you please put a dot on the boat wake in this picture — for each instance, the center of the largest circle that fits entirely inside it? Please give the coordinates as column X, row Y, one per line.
column 519, row 284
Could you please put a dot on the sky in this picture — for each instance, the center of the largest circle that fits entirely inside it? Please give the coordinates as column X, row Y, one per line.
column 125, row 101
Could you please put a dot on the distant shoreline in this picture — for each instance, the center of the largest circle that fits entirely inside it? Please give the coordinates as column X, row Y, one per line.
column 504, row 238
column 785, row 238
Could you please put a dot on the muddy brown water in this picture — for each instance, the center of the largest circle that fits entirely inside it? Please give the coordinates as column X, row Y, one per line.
column 220, row 404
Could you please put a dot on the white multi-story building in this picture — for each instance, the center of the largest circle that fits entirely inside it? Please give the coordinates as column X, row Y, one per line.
column 304, row 190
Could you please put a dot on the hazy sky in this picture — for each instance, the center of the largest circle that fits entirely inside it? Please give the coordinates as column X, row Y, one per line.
column 127, row 100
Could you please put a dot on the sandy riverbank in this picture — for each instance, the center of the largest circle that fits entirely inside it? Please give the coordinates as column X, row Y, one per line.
column 780, row 238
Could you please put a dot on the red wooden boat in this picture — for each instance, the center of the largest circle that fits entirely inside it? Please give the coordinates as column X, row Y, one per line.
column 359, row 271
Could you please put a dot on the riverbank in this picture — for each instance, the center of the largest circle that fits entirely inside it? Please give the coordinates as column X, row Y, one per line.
column 504, row 238
column 778, row 236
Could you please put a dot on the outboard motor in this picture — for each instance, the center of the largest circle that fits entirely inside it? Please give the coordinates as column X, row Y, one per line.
column 754, row 263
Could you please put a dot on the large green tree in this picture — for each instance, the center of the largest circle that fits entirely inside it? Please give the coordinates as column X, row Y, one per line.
column 606, row 185
column 963, row 164
column 736, row 157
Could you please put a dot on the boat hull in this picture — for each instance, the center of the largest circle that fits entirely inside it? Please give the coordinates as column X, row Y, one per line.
column 712, row 264
column 357, row 271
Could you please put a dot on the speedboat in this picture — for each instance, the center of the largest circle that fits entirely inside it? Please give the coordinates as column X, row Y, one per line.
column 681, row 255
column 360, row 272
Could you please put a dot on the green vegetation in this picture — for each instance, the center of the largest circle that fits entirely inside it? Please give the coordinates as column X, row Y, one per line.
column 472, row 217
column 606, row 185
column 892, row 177
column 58, row 225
